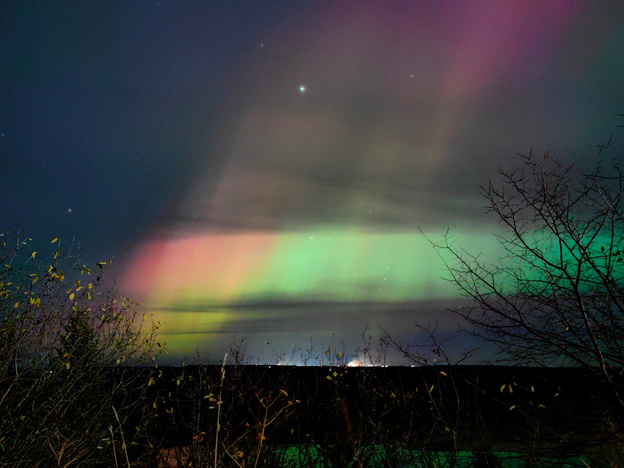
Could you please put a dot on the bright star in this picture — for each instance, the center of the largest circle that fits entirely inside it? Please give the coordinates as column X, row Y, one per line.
column 302, row 89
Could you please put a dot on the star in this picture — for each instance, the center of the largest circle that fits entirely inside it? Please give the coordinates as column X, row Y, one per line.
column 70, row 210
column 302, row 89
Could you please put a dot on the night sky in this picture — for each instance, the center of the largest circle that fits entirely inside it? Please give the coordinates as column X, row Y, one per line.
column 262, row 169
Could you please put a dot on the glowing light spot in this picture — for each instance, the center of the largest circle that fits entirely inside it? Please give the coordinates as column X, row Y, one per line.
column 302, row 89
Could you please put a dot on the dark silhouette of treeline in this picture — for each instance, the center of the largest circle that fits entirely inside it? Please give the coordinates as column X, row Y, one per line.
column 540, row 412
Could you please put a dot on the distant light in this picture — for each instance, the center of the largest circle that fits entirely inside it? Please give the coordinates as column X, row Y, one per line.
column 302, row 89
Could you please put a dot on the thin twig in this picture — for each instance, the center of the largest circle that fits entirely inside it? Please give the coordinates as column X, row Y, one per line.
column 219, row 410
column 123, row 440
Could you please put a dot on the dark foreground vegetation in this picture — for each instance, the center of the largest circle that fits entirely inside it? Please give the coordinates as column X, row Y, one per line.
column 378, row 416
column 79, row 385
column 330, row 416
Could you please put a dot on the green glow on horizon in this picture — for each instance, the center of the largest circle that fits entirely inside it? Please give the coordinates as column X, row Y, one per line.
column 205, row 282
column 320, row 265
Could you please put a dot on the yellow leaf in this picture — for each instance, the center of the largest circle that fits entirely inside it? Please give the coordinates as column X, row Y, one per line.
column 33, row 254
column 54, row 240
column 503, row 388
column 71, row 296
column 512, row 407
column 443, row 373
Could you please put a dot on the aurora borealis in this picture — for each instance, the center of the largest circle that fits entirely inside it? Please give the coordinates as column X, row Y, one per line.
column 266, row 170
column 274, row 274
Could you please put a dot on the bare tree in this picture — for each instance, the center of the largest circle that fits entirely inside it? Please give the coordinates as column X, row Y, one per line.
column 557, row 294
